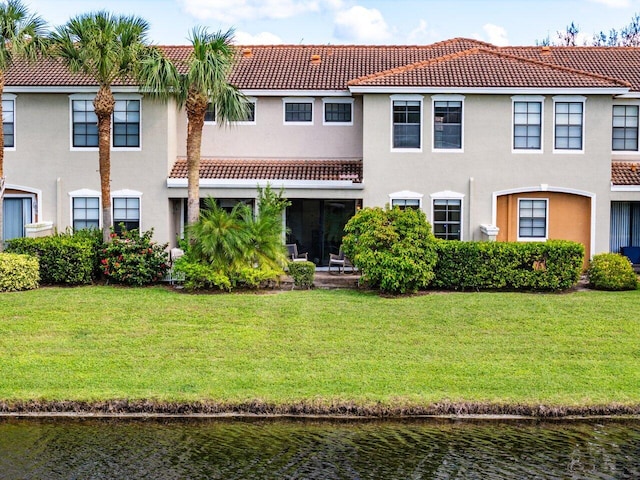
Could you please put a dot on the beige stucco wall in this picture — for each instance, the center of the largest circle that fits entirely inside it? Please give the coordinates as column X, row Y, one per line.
column 271, row 138
column 486, row 165
column 43, row 161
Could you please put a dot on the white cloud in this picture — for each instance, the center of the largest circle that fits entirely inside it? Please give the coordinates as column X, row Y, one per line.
column 360, row 24
column 613, row 3
column 496, row 34
column 421, row 34
column 232, row 11
column 262, row 38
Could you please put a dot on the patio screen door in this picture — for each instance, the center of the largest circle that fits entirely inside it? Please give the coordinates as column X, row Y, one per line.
column 16, row 214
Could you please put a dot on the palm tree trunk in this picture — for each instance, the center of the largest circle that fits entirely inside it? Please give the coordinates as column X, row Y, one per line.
column 103, row 105
column 196, row 107
column 2, row 179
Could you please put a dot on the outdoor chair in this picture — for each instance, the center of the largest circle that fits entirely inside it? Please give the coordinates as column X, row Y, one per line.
column 341, row 261
column 294, row 256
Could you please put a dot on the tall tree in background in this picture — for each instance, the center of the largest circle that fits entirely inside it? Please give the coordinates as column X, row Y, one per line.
column 107, row 48
column 202, row 79
column 627, row 36
column 22, row 35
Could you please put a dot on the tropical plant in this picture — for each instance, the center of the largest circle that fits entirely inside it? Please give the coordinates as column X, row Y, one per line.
column 107, row 48
column 221, row 239
column 201, row 80
column 246, row 250
column 22, row 35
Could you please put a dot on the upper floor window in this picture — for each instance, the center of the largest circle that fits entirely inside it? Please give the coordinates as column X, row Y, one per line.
column 8, row 121
column 532, row 219
column 407, row 123
column 85, row 124
column 210, row 114
column 569, row 123
column 527, row 125
column 126, row 123
column 250, row 114
column 625, row 127
column 338, row 111
column 298, row 110
column 447, row 122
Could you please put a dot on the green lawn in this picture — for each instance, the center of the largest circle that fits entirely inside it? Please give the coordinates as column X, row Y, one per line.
column 98, row 343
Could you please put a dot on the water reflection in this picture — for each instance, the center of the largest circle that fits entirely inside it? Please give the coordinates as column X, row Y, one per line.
column 307, row 449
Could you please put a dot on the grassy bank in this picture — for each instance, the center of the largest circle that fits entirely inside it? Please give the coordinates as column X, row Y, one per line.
column 320, row 347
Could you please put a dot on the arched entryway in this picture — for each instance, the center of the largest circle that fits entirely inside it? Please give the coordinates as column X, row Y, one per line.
column 545, row 213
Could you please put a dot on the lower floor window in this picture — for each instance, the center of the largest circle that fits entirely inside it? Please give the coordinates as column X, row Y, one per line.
column 447, row 215
column 126, row 211
column 532, row 219
column 403, row 203
column 86, row 213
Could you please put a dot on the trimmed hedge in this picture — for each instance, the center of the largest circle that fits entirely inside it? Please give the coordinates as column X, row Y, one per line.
column 543, row 266
column 64, row 259
column 611, row 271
column 392, row 248
column 303, row 273
column 18, row 272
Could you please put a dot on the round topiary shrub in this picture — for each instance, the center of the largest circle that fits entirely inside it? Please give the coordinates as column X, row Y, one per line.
column 611, row 271
column 18, row 272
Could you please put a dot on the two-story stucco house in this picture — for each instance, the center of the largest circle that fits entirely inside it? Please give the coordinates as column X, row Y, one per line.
column 516, row 143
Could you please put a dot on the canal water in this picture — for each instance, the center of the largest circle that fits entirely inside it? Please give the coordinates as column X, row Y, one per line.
column 250, row 448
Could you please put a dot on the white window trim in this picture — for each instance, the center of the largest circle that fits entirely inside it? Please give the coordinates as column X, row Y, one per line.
column 446, row 98
column 126, row 193
column 622, row 152
column 546, row 226
column 570, row 99
column 527, row 98
column 254, row 101
column 130, row 96
column 411, row 98
column 84, row 193
column 326, row 100
column 449, row 195
column 287, row 100
column 116, row 96
column 211, row 122
column 12, row 97
column 406, row 195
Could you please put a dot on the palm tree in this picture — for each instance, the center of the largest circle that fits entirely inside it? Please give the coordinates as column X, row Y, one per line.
column 107, row 48
column 22, row 35
column 202, row 79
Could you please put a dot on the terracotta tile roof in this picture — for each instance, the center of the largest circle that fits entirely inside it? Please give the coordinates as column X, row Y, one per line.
column 274, row 169
column 625, row 173
column 615, row 62
column 274, row 67
column 481, row 67
column 331, row 67
column 47, row 72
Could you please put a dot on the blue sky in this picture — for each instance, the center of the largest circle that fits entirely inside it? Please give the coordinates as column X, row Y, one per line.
column 503, row 22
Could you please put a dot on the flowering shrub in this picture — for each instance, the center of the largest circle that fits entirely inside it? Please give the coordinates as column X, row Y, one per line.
column 133, row 259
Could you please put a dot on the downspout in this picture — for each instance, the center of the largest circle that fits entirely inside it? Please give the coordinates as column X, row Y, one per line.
column 58, row 204
column 472, row 189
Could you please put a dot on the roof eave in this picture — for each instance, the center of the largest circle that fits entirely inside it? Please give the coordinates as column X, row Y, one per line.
column 492, row 90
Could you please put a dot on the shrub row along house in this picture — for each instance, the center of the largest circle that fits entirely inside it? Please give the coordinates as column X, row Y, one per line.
column 516, row 143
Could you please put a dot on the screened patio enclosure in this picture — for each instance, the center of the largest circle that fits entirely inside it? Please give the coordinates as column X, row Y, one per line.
column 316, row 226
column 625, row 226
